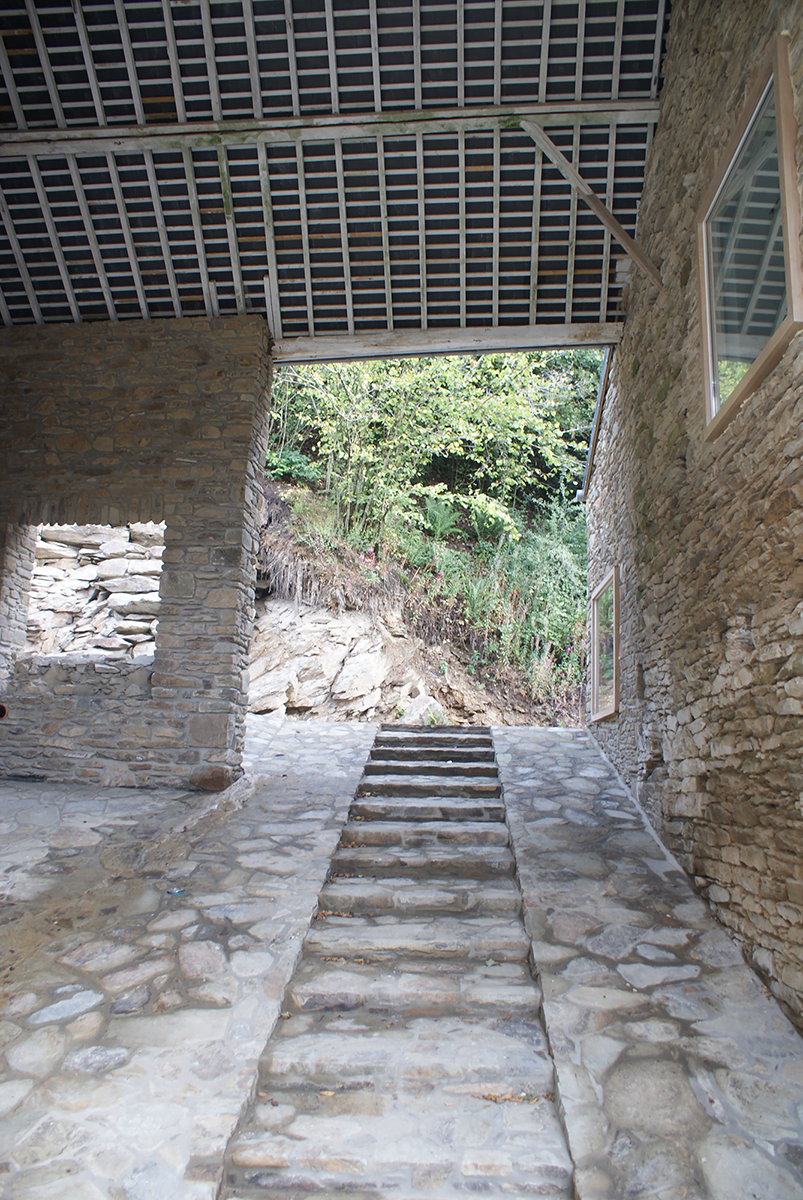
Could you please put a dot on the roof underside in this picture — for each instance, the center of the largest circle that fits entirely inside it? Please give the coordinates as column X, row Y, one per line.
column 355, row 170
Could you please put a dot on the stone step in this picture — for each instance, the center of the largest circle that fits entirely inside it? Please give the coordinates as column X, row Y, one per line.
column 474, row 862
column 423, row 785
column 443, row 1145
column 423, row 833
column 423, row 739
column 408, row 897
column 323, row 1051
column 425, row 808
column 434, row 769
column 383, row 938
column 404, row 753
column 414, row 987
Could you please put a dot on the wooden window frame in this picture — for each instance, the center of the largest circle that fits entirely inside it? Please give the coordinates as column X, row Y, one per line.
column 611, row 578
column 777, row 69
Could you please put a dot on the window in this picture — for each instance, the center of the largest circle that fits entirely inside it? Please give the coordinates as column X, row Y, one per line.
column 751, row 274
column 605, row 647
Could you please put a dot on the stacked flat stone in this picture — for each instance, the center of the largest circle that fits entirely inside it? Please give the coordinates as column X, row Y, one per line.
column 96, row 587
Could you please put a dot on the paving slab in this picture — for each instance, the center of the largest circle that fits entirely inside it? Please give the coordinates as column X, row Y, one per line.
column 676, row 1071
column 146, row 939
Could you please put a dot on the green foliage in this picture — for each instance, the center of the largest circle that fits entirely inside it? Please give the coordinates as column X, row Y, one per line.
column 457, row 468
column 291, row 466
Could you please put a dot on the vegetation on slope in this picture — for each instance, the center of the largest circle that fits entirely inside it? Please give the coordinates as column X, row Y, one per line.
column 452, row 478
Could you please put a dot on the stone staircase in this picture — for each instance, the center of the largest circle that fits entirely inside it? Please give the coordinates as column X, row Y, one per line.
column 410, row 1059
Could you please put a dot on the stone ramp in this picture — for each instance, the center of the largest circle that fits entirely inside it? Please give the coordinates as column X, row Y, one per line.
column 676, row 1073
column 411, row 1059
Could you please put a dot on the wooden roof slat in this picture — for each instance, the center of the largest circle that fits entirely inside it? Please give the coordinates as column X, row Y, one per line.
column 291, row 56
column 253, row 57
column 606, row 244
column 497, row 184
column 175, row 67
column 571, row 256
column 344, row 234
column 4, row 310
column 417, row 83
column 89, row 62
column 422, row 224
column 231, row 228
column 376, row 69
column 617, row 48
column 544, row 51
column 305, row 243
column 274, row 308
column 331, row 50
column 461, row 217
column 656, row 54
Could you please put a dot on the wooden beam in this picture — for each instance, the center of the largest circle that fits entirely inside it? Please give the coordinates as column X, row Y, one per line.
column 291, row 56
column 19, row 258
column 461, row 52
column 303, row 217
column 656, row 54
column 581, row 38
column 589, row 195
column 128, row 236
column 344, row 234
column 4, row 312
column 211, row 60
column 89, row 229
column 272, row 294
column 543, row 65
column 497, row 187
column 606, row 240
column 131, row 66
column 44, row 62
column 332, row 53
column 161, row 225
column 89, row 62
column 415, row 342
column 497, row 51
column 359, row 126
column 422, row 225
column 461, row 219
column 253, row 57
column 64, row 270
column 375, row 63
column 417, row 88
column 538, row 172
column 617, row 48
column 231, row 228
column 11, row 87
column 175, row 66
column 571, row 256
column 198, row 230
column 383, row 209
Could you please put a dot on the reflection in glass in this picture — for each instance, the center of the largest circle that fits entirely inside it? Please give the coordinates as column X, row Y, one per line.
column 744, row 240
column 604, row 631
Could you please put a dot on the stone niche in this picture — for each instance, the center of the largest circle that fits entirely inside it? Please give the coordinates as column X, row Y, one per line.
column 708, row 535
column 133, row 425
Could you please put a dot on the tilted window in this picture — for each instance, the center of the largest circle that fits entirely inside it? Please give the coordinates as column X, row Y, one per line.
column 751, row 273
column 605, row 647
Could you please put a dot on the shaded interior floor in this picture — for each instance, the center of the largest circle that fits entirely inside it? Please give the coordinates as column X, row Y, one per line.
column 148, row 938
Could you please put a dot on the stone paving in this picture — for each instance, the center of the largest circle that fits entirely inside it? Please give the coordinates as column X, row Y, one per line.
column 677, row 1074
column 147, row 938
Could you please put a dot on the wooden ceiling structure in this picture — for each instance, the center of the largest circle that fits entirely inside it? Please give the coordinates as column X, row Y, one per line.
column 376, row 177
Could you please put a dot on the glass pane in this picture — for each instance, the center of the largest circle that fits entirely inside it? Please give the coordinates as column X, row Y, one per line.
column 744, row 236
column 604, row 649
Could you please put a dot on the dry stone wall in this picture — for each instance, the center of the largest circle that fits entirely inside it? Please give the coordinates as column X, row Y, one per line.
column 708, row 536
column 17, row 545
column 142, row 422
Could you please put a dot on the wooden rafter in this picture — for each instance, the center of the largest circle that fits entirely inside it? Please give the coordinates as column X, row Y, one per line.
column 344, row 233
column 128, row 237
column 52, row 232
column 291, row 56
column 131, row 66
column 231, row 228
column 383, row 211
column 161, row 226
column 19, row 258
column 11, row 87
column 89, row 63
column 211, row 59
column 538, row 172
column 44, row 62
column 589, row 195
column 197, row 227
column 91, row 236
column 253, row 57
column 175, row 67
column 273, row 298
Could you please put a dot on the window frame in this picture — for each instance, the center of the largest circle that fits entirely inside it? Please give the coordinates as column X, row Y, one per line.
column 776, row 68
column 610, row 579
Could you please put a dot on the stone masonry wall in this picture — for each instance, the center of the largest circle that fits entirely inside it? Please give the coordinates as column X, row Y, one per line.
column 17, row 549
column 143, row 421
column 709, row 537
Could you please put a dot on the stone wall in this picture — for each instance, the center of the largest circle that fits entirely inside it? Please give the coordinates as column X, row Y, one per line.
column 17, row 544
column 708, row 536
column 143, row 421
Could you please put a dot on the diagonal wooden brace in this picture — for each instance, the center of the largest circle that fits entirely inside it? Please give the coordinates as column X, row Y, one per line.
column 594, row 203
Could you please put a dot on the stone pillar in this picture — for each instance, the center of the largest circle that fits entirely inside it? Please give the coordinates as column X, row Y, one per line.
column 138, row 421
column 17, row 550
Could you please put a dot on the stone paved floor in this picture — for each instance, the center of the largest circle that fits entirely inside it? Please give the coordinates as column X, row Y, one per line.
column 146, row 939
